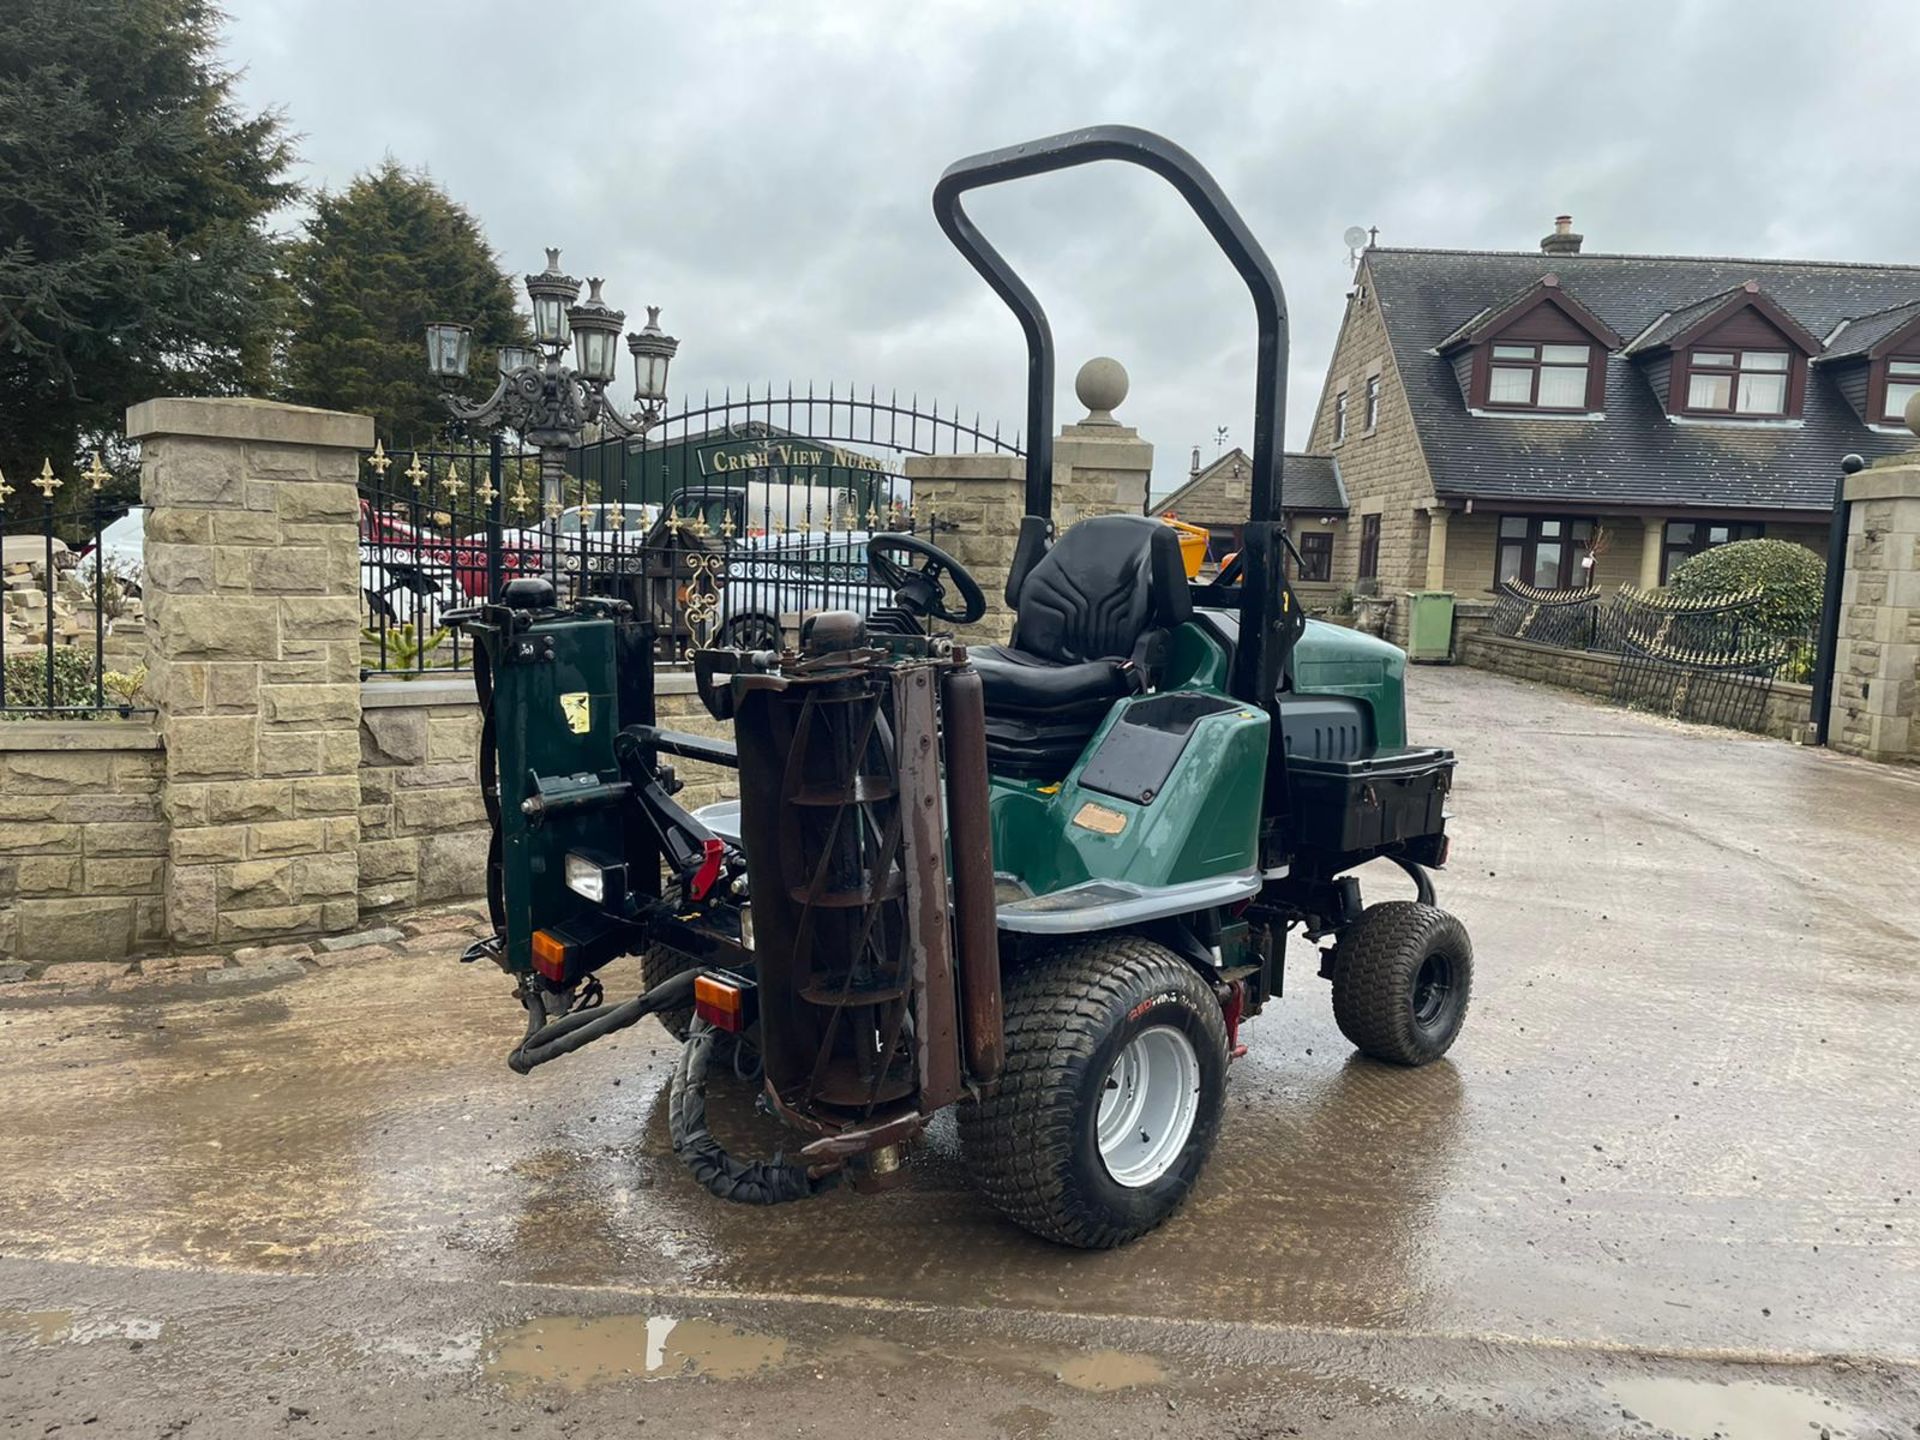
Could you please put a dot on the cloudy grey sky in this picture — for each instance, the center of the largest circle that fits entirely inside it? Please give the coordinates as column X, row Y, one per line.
column 762, row 170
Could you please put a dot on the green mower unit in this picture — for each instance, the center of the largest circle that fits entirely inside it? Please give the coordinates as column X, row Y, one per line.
column 1045, row 882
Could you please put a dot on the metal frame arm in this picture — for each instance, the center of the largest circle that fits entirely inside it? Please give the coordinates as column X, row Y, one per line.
column 1270, row 619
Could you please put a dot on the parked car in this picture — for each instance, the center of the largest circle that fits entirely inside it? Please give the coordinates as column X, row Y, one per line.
column 776, row 578
column 586, row 539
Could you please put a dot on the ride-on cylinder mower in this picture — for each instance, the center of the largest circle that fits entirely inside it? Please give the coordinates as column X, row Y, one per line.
column 1046, row 882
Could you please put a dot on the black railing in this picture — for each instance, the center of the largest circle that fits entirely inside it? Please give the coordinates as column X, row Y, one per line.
column 757, row 531
column 71, row 564
column 1709, row 660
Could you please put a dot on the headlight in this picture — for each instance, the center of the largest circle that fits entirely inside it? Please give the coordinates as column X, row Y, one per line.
column 587, row 878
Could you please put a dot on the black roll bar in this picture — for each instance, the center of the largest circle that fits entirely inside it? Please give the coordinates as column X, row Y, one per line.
column 1270, row 619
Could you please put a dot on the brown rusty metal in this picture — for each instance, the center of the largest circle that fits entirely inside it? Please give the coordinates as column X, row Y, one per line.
column 923, row 833
column 970, row 843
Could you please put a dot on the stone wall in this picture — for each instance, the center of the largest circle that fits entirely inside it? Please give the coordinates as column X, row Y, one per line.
column 1876, row 689
column 1593, row 673
column 83, row 841
column 252, row 591
column 423, row 827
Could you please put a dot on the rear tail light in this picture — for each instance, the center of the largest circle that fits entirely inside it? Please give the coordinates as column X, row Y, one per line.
column 550, row 956
column 720, row 1003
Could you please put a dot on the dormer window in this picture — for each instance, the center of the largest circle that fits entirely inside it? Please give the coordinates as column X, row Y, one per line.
column 1903, row 383
column 1738, row 382
column 1539, row 376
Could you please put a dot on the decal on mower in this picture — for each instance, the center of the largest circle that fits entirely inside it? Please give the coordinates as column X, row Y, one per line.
column 1164, row 997
column 577, row 707
column 1099, row 819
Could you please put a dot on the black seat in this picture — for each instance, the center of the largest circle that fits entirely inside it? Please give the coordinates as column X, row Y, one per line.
column 1094, row 612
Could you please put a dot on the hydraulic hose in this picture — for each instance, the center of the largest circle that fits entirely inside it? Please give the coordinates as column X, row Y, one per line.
column 746, row 1182
column 583, row 1027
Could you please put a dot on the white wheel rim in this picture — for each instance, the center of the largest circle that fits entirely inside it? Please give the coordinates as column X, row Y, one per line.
column 1147, row 1106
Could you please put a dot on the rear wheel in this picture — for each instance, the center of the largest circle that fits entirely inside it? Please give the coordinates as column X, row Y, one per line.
column 1402, row 979
column 1110, row 1099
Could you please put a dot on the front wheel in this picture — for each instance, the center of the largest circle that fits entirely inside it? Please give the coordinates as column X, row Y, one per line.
column 1402, row 978
column 1110, row 1099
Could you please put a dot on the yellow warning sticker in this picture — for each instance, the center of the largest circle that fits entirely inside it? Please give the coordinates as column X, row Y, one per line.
column 578, row 710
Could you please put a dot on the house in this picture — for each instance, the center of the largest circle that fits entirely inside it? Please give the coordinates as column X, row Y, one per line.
column 1312, row 501
column 1565, row 418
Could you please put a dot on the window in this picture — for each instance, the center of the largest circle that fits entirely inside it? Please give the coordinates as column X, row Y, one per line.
column 1543, row 550
column 1369, row 547
column 1339, row 417
column 1690, row 537
column 1316, row 555
column 1738, row 382
column 1526, row 376
column 1373, row 401
column 1903, row 383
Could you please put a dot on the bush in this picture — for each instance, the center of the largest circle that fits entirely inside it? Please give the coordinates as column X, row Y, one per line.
column 26, row 680
column 1789, row 577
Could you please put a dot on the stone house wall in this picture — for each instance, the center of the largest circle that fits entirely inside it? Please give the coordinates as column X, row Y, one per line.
column 1384, row 468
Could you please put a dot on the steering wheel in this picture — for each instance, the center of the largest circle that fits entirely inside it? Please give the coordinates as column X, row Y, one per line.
column 922, row 588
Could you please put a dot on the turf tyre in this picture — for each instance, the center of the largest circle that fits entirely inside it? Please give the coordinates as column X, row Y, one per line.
column 1384, row 969
column 1032, row 1145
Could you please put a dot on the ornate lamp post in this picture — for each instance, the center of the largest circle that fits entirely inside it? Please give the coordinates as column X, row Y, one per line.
column 548, row 402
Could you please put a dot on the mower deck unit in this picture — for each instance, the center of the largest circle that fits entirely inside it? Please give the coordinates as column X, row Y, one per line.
column 1045, row 881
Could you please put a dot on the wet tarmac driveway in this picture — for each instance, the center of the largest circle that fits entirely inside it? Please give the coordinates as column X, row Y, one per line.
column 1667, row 1180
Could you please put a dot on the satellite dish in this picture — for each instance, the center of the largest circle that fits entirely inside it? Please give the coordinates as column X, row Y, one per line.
column 1355, row 238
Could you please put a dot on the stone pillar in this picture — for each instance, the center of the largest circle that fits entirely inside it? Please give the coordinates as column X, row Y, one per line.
column 1876, row 687
column 1651, row 542
column 976, row 501
column 1437, row 548
column 252, row 593
column 1100, row 467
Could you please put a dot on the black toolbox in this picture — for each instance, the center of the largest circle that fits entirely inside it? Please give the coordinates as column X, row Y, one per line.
column 1383, row 799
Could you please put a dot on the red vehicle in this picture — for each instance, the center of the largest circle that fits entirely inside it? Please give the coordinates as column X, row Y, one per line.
column 386, row 538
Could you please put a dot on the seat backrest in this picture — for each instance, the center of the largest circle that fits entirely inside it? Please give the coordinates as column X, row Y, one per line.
column 1101, row 587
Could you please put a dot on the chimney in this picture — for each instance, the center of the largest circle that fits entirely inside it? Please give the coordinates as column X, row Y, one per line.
column 1562, row 241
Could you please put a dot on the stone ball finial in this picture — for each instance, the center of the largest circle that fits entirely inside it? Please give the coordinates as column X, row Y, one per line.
column 1101, row 386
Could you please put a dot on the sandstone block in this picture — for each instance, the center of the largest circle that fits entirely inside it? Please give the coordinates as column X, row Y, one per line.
column 290, row 752
column 431, row 811
column 187, row 472
column 340, row 914
column 44, row 771
column 266, row 924
column 235, row 801
column 320, row 877
column 210, row 845
column 219, row 627
column 28, row 838
column 147, row 837
column 285, row 571
column 233, row 687
column 129, row 875
column 384, row 935
column 192, row 912
column 306, row 704
column 169, row 526
column 245, row 527
column 211, row 746
column 286, row 837
column 318, row 501
column 88, row 809
column 255, row 883
column 393, row 737
column 96, row 928
column 327, row 795
column 45, row 875
column 453, row 865
column 455, row 737
column 386, row 860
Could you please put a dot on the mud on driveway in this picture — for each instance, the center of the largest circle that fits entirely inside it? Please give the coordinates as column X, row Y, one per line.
column 1667, row 1180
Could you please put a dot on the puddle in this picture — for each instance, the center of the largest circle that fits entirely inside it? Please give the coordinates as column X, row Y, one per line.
column 1741, row 1410
column 43, row 1327
column 575, row 1353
